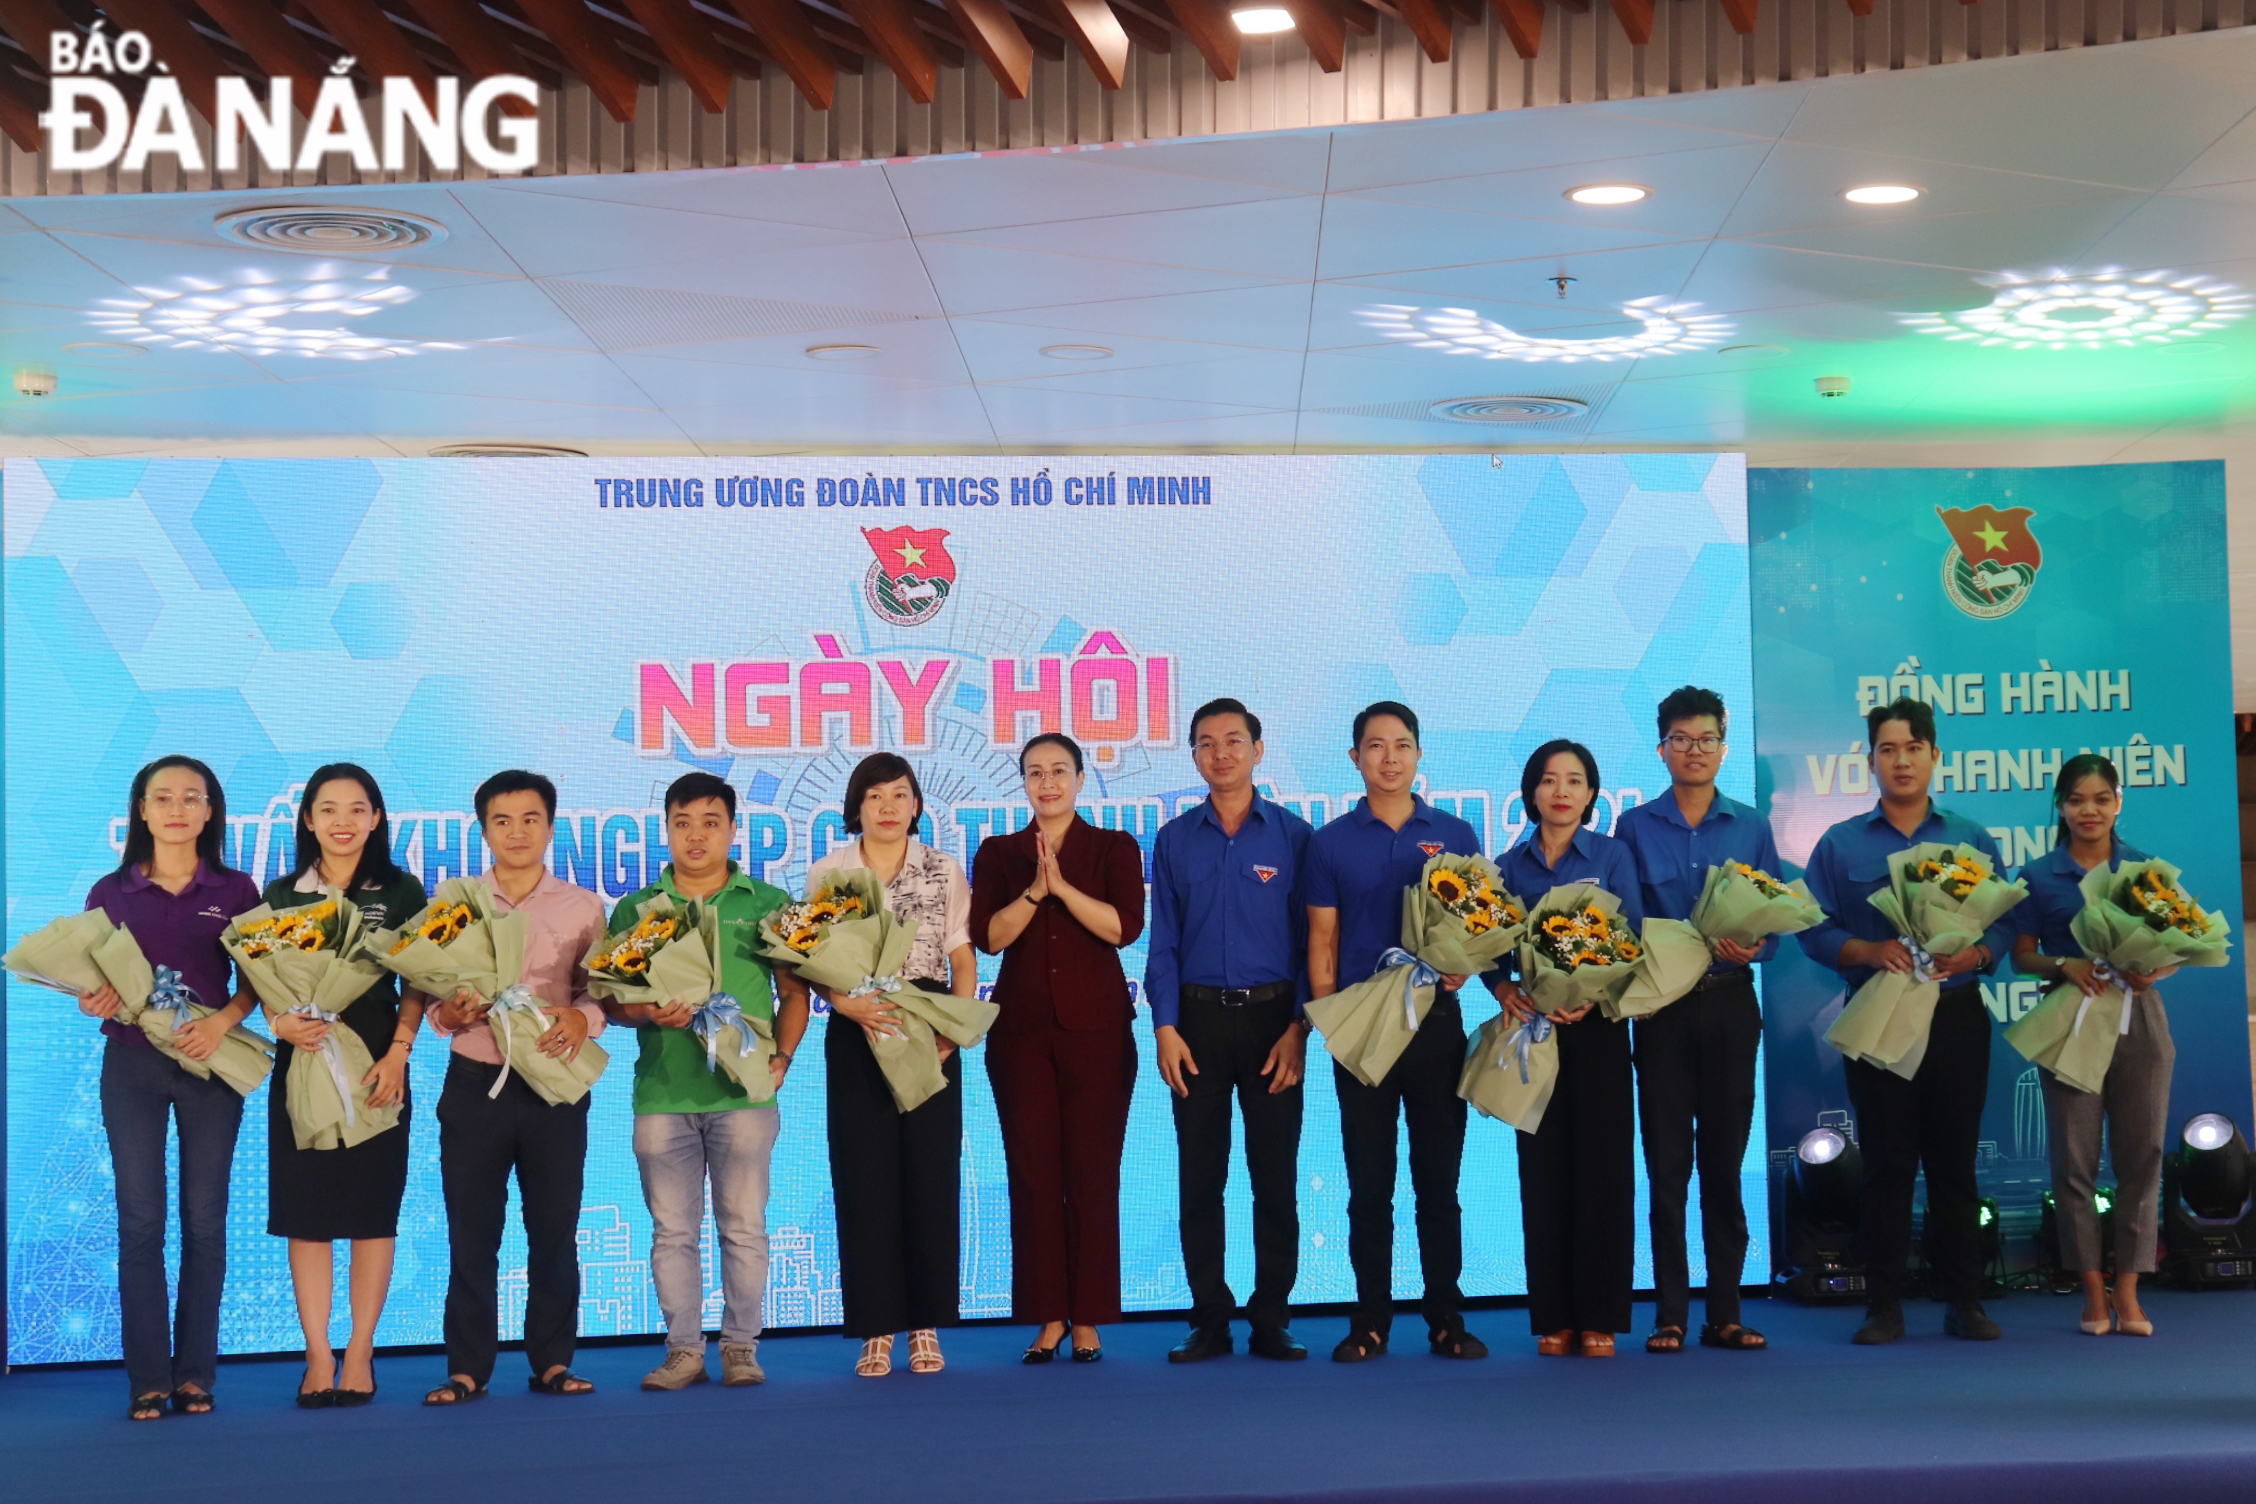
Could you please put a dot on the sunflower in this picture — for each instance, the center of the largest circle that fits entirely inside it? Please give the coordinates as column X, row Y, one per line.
column 308, row 937
column 633, row 963
column 1448, row 886
column 805, row 938
column 656, row 927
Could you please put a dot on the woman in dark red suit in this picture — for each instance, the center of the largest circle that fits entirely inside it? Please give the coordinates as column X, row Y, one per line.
column 1058, row 900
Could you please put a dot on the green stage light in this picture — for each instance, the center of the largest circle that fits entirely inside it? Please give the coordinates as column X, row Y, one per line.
column 2103, row 1200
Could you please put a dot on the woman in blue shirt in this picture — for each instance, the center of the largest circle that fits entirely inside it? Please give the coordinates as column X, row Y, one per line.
column 1578, row 1178
column 2134, row 1102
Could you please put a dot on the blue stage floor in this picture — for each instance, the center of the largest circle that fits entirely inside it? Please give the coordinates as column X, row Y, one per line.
column 2047, row 1414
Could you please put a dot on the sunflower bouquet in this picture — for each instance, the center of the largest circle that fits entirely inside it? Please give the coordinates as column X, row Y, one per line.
column 459, row 940
column 667, row 951
column 845, row 939
column 1940, row 898
column 80, row 953
column 1457, row 920
column 310, row 959
column 1737, row 902
column 2136, row 918
column 1577, row 949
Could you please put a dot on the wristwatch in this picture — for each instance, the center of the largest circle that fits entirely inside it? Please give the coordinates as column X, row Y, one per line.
column 782, row 1055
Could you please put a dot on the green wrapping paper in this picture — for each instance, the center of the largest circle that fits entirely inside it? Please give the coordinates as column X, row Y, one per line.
column 1553, row 989
column 687, row 969
column 1888, row 1021
column 1510, row 1070
column 2074, row 1036
column 474, row 959
column 1731, row 906
column 156, row 1002
column 326, row 1092
column 518, row 1020
column 60, row 953
column 1676, row 957
column 1368, row 1024
column 864, row 955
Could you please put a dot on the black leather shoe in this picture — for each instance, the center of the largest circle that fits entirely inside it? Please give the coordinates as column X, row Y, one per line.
column 1968, row 1320
column 1203, row 1343
column 1455, row 1342
column 1882, row 1325
column 1275, row 1342
column 1359, row 1347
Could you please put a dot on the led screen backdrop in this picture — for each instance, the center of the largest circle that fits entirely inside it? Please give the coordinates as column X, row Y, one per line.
column 2042, row 613
column 616, row 622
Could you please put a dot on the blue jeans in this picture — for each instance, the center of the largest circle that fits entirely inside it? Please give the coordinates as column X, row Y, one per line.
column 142, row 1089
column 677, row 1151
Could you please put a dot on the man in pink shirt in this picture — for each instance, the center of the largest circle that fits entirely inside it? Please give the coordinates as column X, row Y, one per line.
column 484, row 1135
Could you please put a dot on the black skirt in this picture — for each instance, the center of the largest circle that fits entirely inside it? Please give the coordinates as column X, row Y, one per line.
column 321, row 1195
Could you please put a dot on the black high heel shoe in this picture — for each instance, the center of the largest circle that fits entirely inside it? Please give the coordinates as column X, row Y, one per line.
column 1036, row 1353
column 319, row 1399
column 1087, row 1354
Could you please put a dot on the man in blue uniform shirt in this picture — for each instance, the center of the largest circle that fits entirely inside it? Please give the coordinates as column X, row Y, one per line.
column 1226, row 972
column 1696, row 1057
column 1934, row 1120
column 1358, row 866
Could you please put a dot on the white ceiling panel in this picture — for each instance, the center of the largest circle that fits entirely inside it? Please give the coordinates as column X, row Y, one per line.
column 977, row 279
column 954, row 195
column 855, row 197
column 1694, row 191
column 1266, row 316
column 1271, row 239
column 1266, row 379
column 1373, row 156
column 607, row 239
column 1370, row 237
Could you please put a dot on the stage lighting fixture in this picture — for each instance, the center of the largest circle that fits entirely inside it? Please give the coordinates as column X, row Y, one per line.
column 1262, row 20
column 1823, row 1194
column 1605, row 194
column 1882, row 193
column 2051, row 1256
column 2208, row 1214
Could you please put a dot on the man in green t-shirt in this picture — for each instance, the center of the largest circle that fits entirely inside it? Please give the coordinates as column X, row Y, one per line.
column 692, row 1123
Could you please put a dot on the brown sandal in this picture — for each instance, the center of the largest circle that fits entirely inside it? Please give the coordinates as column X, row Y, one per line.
column 1556, row 1345
column 1597, row 1344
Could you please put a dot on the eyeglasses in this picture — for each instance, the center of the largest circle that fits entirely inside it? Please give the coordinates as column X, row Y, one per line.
column 1680, row 743
column 186, row 804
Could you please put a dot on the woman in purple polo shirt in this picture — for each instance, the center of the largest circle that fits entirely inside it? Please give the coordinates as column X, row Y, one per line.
column 175, row 895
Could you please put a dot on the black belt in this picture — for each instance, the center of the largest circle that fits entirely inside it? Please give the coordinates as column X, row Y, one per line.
column 1715, row 979
column 1237, row 997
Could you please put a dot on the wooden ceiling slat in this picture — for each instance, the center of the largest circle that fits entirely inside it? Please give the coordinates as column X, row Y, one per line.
column 1741, row 15
column 1429, row 24
column 19, row 110
column 1144, row 28
column 30, row 22
column 1096, row 34
column 1207, row 23
column 787, row 33
column 477, row 39
column 572, row 28
column 279, row 49
column 382, row 48
column 177, row 43
column 1636, row 17
column 1522, row 21
column 731, row 32
column 1322, row 31
column 901, row 43
column 1001, row 45
column 688, row 45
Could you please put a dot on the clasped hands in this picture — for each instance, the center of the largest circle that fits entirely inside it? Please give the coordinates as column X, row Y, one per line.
column 567, row 1031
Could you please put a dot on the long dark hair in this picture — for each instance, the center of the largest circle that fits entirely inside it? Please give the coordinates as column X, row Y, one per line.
column 2074, row 771
column 141, row 842
column 375, row 867
column 1531, row 777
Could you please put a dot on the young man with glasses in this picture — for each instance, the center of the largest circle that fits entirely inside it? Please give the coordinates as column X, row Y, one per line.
column 1696, row 1057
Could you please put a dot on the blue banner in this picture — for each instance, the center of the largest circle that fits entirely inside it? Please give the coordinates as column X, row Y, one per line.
column 2042, row 613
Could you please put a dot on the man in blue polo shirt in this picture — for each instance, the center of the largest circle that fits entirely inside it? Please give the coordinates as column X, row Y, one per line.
column 1226, row 972
column 1358, row 866
column 1934, row 1120
column 1696, row 1057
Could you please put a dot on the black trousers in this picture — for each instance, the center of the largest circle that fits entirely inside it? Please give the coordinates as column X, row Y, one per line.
column 1422, row 1091
column 1228, row 1045
column 1696, row 1104
column 1578, row 1186
column 481, row 1140
column 895, row 1179
column 1932, row 1122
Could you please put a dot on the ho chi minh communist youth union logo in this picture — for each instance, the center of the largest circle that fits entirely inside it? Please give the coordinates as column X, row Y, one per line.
column 1993, row 559
column 912, row 576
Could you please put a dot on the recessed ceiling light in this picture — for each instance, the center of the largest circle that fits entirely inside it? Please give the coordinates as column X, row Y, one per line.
column 1882, row 193
column 1754, row 352
column 1262, row 20
column 1608, row 193
column 327, row 230
column 1077, row 352
column 842, row 352
column 105, row 347
column 1508, row 409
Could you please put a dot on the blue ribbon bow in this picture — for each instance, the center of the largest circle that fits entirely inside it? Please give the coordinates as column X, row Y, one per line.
column 2107, row 976
column 712, row 1016
column 876, row 985
column 1923, row 963
column 1421, row 975
column 517, row 999
column 1522, row 1039
column 172, row 995
column 332, row 1055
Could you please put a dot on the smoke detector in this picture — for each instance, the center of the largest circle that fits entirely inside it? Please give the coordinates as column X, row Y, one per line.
column 330, row 230
column 35, row 383
column 506, row 452
column 1832, row 386
column 1508, row 409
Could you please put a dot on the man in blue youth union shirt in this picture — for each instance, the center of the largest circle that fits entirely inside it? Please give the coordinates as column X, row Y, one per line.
column 1226, row 972
column 1358, row 866
column 1696, row 1057
column 1934, row 1120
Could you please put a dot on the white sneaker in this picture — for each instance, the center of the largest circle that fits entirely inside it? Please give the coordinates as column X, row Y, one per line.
column 683, row 1367
column 740, row 1364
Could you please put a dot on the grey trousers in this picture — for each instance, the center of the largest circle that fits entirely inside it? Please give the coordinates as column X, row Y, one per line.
column 2134, row 1106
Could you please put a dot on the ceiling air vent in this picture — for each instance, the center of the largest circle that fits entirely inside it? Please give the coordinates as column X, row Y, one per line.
column 506, row 452
column 326, row 230
column 1508, row 409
